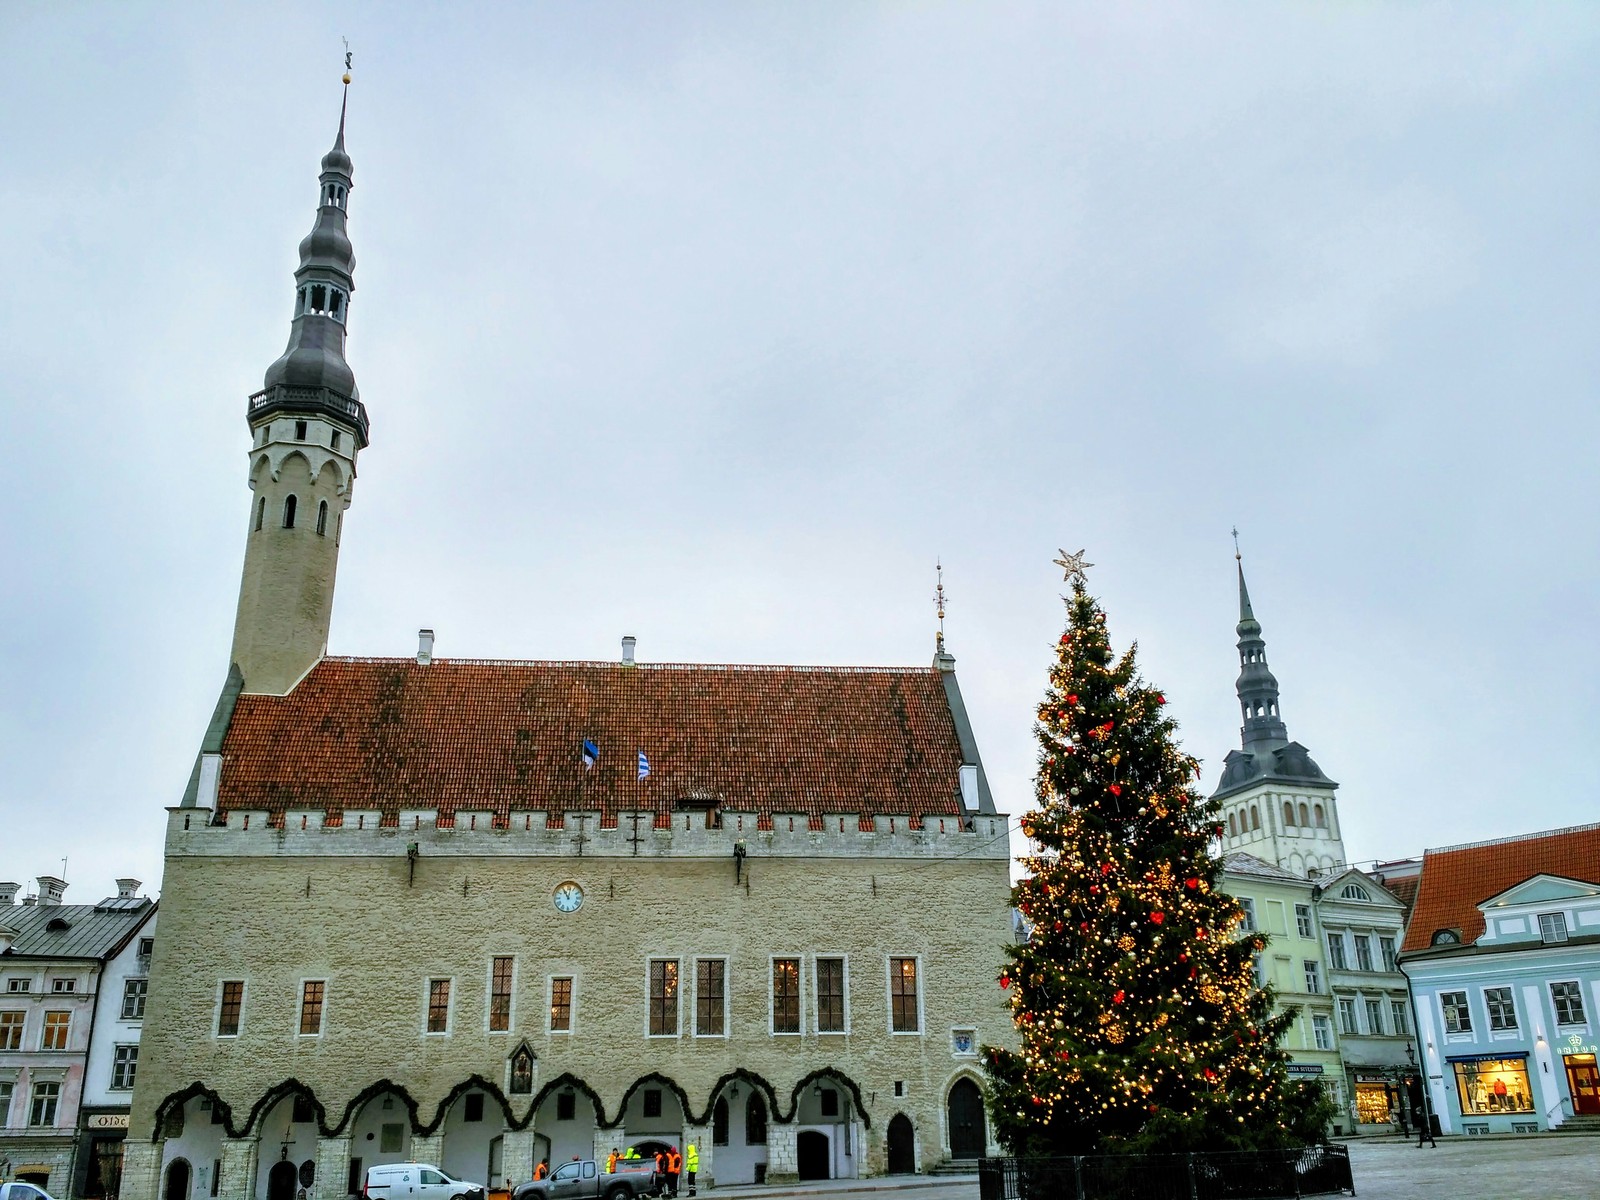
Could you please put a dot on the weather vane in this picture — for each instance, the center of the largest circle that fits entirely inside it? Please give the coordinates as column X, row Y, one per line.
column 939, row 598
column 1237, row 557
column 348, row 58
column 1074, row 566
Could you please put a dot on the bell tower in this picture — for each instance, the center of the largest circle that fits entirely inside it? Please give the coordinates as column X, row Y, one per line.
column 1276, row 802
column 307, row 425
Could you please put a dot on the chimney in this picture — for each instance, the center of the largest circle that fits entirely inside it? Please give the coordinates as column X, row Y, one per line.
column 424, row 647
column 8, row 893
column 628, row 643
column 50, row 890
column 127, row 889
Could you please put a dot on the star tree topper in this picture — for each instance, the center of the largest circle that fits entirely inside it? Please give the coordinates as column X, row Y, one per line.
column 1074, row 566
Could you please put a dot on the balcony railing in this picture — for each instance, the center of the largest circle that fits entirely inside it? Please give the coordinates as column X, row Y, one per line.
column 283, row 398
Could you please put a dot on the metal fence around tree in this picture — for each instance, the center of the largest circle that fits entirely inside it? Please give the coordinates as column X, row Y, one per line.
column 1222, row 1175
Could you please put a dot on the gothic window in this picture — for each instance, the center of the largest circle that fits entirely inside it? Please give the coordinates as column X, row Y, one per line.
column 322, row 517
column 289, row 503
column 522, row 1072
column 1255, row 817
column 1288, row 813
column 1321, row 817
column 719, row 1122
column 1305, row 817
column 1233, row 826
column 261, row 512
column 755, row 1121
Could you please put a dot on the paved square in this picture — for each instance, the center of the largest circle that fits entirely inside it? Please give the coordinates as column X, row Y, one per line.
column 1552, row 1167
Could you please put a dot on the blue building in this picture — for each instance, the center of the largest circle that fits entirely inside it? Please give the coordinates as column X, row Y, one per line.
column 1503, row 954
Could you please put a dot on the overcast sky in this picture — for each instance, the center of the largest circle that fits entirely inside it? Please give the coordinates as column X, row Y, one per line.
column 718, row 323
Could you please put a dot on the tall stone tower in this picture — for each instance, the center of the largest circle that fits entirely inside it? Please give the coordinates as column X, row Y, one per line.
column 307, row 425
column 1276, row 802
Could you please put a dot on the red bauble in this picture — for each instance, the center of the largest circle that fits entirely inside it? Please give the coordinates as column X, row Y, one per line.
column 1158, row 917
column 1115, row 789
column 1072, row 699
column 1191, row 883
column 1005, row 982
column 1118, row 996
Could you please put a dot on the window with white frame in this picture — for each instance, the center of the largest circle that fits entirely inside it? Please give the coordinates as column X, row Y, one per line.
column 1313, row 972
column 62, row 986
column 1249, row 906
column 1374, row 1009
column 830, row 995
column 230, row 1008
column 16, row 984
column 313, row 995
column 11, row 1030
column 1363, row 952
column 1453, row 1007
column 1322, row 1032
column 7, row 1090
column 663, row 997
column 1568, row 1001
column 134, row 992
column 1397, row 1014
column 1353, row 891
column 1502, row 1008
column 1347, row 1015
column 903, row 1014
column 57, row 1028
column 46, row 1096
column 1336, row 959
column 561, row 1004
column 437, row 1017
column 786, row 995
column 1386, row 945
column 710, row 997
column 124, row 1065
column 1302, row 920
column 1553, row 927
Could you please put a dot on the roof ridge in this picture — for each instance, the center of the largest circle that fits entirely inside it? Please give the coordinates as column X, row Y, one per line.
column 775, row 668
column 1506, row 841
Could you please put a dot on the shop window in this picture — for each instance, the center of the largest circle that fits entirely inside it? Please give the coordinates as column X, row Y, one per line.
column 1494, row 1086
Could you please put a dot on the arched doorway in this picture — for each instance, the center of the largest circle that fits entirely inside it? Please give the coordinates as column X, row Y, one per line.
column 177, row 1180
column 967, row 1132
column 281, row 1181
column 811, row 1154
column 902, row 1139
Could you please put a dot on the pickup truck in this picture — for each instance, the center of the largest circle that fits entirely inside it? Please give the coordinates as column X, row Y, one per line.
column 587, row 1180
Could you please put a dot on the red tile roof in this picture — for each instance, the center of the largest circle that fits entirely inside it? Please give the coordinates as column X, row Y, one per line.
column 1404, row 890
column 1457, row 879
column 389, row 734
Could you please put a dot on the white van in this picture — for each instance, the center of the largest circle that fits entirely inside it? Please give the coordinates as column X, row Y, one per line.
column 417, row 1181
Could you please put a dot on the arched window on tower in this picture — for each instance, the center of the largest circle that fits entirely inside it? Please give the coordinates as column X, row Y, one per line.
column 289, row 503
column 1233, row 826
column 1288, row 813
column 322, row 517
column 1322, row 819
column 261, row 512
column 1305, row 817
column 1255, row 817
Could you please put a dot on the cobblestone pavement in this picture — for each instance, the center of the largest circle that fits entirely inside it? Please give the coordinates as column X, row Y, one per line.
column 1551, row 1167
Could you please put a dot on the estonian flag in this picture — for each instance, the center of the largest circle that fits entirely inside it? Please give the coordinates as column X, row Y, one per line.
column 644, row 766
column 591, row 753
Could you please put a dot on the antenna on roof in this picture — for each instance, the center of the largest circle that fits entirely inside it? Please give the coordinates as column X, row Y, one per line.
column 938, row 601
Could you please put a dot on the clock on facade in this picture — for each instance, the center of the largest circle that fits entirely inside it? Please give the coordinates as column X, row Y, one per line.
column 568, row 897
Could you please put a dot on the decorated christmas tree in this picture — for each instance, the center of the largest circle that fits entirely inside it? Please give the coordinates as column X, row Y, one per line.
column 1140, row 1022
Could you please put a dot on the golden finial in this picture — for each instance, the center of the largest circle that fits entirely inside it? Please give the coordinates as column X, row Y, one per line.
column 348, row 57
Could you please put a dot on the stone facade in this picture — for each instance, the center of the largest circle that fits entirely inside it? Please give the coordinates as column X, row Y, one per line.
column 274, row 907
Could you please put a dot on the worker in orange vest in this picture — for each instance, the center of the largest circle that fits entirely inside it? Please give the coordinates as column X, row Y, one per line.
column 674, row 1169
column 661, row 1165
column 542, row 1169
column 611, row 1161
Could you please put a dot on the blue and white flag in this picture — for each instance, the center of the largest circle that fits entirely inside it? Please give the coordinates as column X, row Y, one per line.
column 644, row 766
column 591, row 753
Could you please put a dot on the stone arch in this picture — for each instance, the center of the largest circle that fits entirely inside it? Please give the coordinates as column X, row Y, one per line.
column 473, row 1083
column 836, row 1076
column 739, row 1075
column 289, row 1087
column 370, row 1093
column 653, row 1077
column 971, row 1076
column 569, row 1080
column 301, row 464
column 900, row 1145
column 176, row 1100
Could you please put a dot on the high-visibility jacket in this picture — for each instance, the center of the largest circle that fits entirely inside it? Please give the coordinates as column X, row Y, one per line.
column 674, row 1162
column 691, row 1158
column 611, row 1163
column 661, row 1161
column 538, row 1172
column 633, row 1153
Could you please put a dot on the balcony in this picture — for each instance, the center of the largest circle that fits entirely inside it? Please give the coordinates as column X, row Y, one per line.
column 310, row 402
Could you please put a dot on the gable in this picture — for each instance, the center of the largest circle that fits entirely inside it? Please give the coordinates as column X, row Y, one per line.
column 1543, row 889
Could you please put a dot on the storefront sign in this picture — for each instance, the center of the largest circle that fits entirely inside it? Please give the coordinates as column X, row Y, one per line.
column 108, row 1121
column 1305, row 1068
column 1372, row 1078
column 1501, row 1057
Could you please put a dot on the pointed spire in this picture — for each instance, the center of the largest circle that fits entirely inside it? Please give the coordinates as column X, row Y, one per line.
column 312, row 369
column 1257, row 687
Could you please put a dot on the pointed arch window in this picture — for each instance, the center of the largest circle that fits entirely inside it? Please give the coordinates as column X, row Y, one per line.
column 261, row 512
column 1255, row 817
column 289, row 504
column 755, row 1121
column 1233, row 826
column 1305, row 817
column 322, row 517
column 1321, row 817
column 1288, row 813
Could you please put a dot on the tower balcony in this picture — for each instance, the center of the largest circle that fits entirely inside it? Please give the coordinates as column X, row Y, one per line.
column 312, row 402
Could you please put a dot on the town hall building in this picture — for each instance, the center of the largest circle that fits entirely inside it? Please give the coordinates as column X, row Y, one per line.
column 480, row 913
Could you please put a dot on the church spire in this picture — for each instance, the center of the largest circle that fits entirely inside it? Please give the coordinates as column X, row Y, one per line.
column 1258, row 688
column 307, row 426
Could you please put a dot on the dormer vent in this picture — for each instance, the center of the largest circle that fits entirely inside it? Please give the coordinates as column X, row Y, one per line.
column 424, row 647
column 8, row 893
column 51, row 890
column 628, row 643
column 127, row 888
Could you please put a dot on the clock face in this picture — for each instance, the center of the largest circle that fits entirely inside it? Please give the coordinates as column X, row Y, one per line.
column 568, row 897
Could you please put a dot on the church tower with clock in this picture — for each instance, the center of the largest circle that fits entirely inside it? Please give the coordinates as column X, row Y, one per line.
column 307, row 425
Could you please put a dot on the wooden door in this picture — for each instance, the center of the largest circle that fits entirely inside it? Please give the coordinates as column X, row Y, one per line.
column 1583, row 1080
column 967, row 1131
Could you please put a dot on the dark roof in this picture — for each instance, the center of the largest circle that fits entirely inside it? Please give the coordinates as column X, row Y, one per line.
column 90, row 930
column 1403, row 890
column 1457, row 879
column 1291, row 763
column 390, row 734
column 1241, row 863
